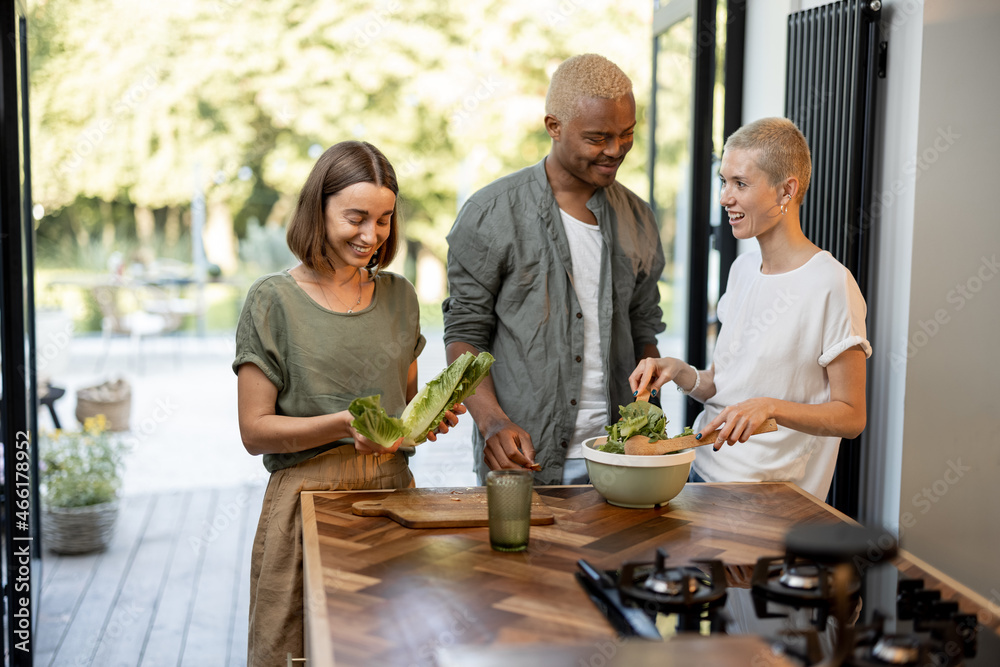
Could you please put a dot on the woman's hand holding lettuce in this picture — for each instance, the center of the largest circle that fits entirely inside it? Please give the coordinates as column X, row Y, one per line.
column 427, row 409
column 372, row 421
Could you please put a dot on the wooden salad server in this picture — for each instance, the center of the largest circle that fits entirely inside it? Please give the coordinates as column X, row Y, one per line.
column 640, row 444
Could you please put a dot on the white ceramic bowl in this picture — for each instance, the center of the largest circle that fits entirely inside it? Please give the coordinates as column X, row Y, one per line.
column 636, row 481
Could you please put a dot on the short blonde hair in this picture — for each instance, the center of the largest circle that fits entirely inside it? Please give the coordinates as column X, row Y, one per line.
column 585, row 75
column 780, row 150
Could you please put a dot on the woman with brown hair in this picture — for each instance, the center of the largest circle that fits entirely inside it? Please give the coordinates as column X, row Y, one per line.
column 309, row 341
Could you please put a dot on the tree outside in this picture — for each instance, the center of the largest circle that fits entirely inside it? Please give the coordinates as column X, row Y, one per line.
column 149, row 118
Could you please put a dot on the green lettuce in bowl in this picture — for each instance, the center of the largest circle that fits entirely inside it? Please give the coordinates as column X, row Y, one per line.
column 638, row 418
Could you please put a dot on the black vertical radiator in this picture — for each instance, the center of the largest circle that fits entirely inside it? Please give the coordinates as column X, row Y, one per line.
column 834, row 60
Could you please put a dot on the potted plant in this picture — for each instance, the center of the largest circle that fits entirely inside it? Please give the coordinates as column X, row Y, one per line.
column 81, row 474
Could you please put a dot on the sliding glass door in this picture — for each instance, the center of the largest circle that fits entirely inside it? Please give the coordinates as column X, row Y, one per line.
column 697, row 95
column 17, row 366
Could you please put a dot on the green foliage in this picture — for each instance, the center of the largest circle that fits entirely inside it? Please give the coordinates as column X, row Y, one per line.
column 85, row 234
column 81, row 468
column 91, row 319
column 236, row 98
column 265, row 248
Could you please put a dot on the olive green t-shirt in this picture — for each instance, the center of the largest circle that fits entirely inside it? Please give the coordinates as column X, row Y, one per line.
column 321, row 360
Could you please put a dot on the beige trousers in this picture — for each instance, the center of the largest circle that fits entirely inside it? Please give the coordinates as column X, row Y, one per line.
column 276, row 606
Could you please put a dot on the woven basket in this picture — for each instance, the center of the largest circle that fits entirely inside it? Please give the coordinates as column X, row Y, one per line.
column 113, row 399
column 79, row 530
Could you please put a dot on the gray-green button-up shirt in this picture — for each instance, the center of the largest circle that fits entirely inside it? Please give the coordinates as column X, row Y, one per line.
column 510, row 278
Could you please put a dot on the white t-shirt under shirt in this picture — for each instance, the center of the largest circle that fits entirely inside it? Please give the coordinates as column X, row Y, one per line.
column 585, row 245
column 778, row 334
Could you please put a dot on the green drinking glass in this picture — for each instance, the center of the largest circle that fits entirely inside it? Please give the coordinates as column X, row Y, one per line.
column 508, row 500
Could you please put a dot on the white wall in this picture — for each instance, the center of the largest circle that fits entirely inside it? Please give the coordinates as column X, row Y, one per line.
column 951, row 452
column 891, row 253
column 764, row 66
column 932, row 445
column 764, row 58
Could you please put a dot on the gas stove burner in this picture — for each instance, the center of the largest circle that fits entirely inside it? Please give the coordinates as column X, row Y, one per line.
column 897, row 650
column 817, row 556
column 673, row 582
column 797, row 583
column 801, row 576
column 807, row 605
column 654, row 586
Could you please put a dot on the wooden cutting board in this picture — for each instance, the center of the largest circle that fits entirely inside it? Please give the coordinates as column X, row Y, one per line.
column 442, row 508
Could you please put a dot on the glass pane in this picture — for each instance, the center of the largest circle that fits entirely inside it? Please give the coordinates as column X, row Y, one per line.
column 719, row 224
column 672, row 192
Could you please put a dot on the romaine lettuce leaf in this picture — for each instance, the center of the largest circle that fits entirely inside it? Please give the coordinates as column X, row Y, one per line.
column 612, row 447
column 372, row 421
column 425, row 410
column 473, row 375
column 419, row 414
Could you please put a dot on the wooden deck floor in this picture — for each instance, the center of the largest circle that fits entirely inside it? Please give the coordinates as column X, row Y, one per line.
column 172, row 589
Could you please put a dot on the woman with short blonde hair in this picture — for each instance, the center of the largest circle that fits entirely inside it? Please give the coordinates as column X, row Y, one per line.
column 792, row 343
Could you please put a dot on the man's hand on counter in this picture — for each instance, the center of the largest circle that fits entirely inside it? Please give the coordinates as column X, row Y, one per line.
column 507, row 445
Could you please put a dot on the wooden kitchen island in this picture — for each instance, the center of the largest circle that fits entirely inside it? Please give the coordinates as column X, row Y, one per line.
column 377, row 593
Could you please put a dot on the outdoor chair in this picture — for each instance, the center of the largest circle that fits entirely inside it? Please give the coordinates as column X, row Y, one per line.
column 137, row 311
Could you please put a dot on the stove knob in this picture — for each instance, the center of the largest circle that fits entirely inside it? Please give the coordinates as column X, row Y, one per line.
column 909, row 585
column 952, row 638
column 942, row 609
column 923, row 601
column 905, row 600
column 968, row 626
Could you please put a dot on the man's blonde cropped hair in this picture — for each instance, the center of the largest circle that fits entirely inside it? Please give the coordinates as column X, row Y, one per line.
column 780, row 150
column 586, row 75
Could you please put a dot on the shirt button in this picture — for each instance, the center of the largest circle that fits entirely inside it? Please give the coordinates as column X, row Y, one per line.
column 572, row 401
column 579, row 316
column 579, row 358
column 564, row 444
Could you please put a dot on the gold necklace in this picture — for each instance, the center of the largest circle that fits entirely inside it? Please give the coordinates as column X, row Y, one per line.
column 350, row 309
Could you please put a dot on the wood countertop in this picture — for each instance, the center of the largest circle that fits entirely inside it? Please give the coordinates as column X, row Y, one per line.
column 377, row 593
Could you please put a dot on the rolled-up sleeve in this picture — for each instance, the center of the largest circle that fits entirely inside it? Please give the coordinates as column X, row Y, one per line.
column 255, row 341
column 474, row 279
column 844, row 322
